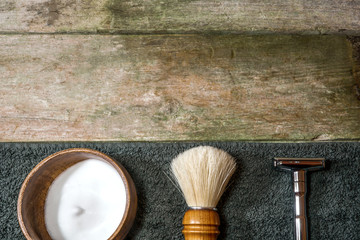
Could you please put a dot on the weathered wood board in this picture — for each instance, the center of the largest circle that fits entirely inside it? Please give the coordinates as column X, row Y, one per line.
column 180, row 16
column 176, row 87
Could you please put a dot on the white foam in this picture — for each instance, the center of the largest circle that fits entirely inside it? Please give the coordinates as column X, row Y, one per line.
column 86, row 201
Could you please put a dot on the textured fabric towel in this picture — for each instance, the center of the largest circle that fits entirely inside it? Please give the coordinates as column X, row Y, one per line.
column 258, row 204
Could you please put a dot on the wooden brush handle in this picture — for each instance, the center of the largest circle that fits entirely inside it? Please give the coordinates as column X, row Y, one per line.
column 201, row 224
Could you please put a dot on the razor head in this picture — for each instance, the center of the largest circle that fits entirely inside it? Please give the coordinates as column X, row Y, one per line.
column 296, row 164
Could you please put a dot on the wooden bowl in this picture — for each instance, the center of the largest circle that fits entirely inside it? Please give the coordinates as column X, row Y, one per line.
column 33, row 192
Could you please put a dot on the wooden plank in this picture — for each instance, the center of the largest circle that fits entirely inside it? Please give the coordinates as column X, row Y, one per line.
column 175, row 16
column 176, row 87
column 355, row 42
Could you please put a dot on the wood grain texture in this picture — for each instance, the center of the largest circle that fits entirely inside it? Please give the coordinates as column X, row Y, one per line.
column 201, row 224
column 172, row 87
column 355, row 42
column 180, row 16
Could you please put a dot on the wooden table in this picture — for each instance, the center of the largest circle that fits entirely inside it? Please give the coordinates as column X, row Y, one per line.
column 179, row 70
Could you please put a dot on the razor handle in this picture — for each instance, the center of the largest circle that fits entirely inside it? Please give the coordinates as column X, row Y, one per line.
column 299, row 181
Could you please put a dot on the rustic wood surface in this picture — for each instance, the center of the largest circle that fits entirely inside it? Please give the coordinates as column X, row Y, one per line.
column 180, row 16
column 177, row 87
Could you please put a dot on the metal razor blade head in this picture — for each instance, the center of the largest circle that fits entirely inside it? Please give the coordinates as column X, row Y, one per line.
column 296, row 164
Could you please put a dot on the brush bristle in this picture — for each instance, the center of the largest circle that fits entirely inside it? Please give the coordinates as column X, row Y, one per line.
column 202, row 174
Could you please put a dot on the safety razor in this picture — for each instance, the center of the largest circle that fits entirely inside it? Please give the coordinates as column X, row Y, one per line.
column 299, row 167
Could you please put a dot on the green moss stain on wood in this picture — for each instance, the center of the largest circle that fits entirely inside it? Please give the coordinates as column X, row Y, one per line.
column 177, row 16
column 176, row 87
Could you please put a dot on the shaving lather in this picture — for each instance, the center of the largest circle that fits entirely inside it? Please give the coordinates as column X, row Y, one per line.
column 299, row 167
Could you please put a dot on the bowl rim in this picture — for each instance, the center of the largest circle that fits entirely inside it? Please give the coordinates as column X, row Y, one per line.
column 131, row 196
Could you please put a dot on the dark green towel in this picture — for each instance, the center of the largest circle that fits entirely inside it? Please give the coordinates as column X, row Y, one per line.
column 257, row 205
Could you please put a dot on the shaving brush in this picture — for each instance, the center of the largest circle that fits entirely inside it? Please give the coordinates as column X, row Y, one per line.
column 202, row 174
